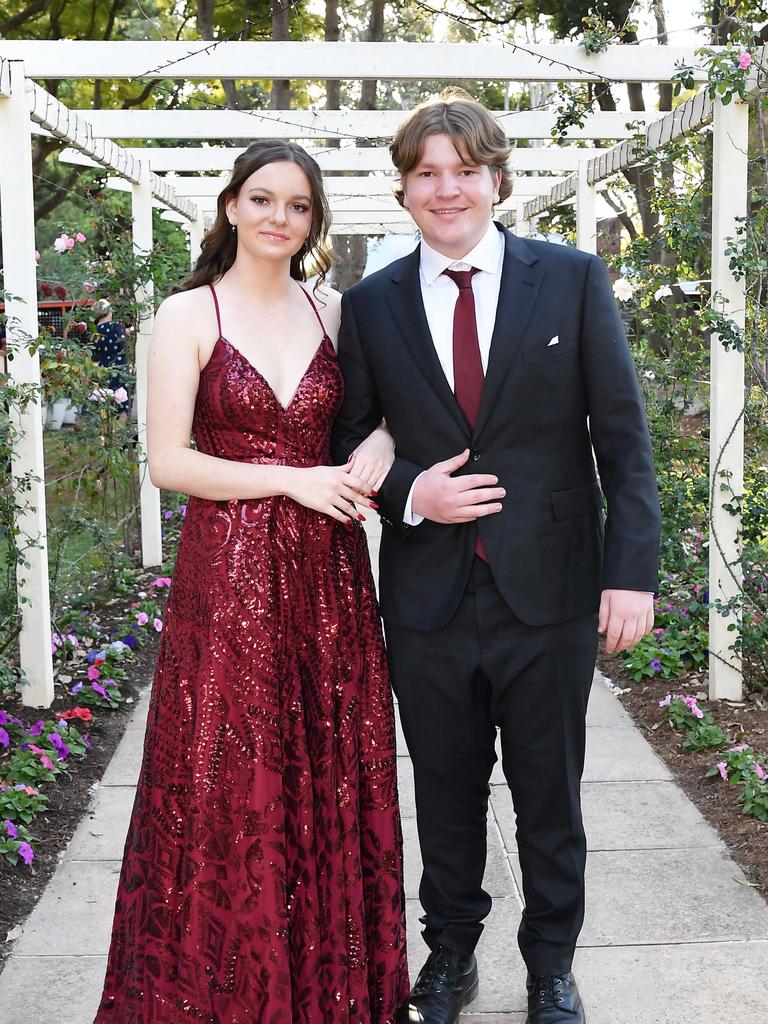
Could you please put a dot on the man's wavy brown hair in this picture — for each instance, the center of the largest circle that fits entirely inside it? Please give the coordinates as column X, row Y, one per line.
column 474, row 131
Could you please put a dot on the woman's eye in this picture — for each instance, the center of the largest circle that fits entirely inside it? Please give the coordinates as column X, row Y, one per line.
column 259, row 200
column 300, row 208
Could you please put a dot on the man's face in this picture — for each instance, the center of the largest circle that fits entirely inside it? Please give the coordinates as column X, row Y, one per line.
column 450, row 197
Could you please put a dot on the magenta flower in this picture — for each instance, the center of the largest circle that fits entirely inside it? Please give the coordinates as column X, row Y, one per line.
column 26, row 853
column 158, row 624
column 161, row 581
column 142, row 618
column 93, row 673
column 666, row 701
column 760, row 771
column 11, row 829
column 745, row 59
column 79, row 237
column 722, row 767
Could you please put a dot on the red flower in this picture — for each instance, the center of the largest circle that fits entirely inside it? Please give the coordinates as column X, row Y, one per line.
column 45, row 290
column 84, row 714
column 60, row 291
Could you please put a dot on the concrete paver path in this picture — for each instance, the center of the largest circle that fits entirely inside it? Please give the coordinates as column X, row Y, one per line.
column 673, row 932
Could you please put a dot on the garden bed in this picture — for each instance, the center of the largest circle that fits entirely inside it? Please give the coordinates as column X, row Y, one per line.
column 743, row 722
column 22, row 886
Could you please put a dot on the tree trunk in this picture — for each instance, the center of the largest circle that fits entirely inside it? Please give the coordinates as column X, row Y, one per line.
column 281, row 32
column 352, row 250
column 332, row 85
column 205, row 28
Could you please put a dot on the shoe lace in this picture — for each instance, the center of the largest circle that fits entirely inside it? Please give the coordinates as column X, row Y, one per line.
column 550, row 990
column 436, row 971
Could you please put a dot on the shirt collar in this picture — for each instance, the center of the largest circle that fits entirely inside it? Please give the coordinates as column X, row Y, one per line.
column 486, row 255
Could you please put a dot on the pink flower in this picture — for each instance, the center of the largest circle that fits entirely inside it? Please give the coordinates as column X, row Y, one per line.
column 37, row 255
column 89, row 286
column 161, row 581
column 70, row 243
column 142, row 618
column 745, row 59
column 60, row 243
column 666, row 702
column 722, row 767
column 121, row 395
column 760, row 771
column 93, row 673
column 79, row 237
column 158, row 624
column 738, row 747
column 659, row 629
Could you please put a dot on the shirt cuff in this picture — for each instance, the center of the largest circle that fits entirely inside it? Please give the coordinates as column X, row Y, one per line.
column 410, row 518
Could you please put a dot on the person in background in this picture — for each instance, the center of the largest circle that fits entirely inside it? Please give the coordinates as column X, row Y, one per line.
column 109, row 350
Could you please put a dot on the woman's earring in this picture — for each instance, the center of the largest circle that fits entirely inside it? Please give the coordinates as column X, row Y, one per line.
column 234, row 228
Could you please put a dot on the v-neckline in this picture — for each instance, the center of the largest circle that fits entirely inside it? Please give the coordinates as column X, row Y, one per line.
column 244, row 358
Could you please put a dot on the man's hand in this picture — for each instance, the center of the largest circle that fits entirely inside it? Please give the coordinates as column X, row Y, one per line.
column 625, row 617
column 445, row 499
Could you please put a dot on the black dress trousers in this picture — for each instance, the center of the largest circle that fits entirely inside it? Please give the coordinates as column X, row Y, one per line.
column 455, row 686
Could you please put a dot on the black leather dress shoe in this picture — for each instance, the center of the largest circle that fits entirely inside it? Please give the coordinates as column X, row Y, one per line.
column 554, row 999
column 446, row 983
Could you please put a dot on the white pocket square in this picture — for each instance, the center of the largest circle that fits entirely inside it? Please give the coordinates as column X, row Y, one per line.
column 554, row 341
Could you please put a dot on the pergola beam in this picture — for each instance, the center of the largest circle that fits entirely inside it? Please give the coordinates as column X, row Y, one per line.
column 393, row 61
column 323, row 124
column 346, row 158
column 76, row 129
column 688, row 117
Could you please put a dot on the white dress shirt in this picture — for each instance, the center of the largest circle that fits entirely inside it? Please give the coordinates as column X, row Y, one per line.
column 440, row 293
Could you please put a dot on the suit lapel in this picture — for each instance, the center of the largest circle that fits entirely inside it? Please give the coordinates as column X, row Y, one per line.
column 407, row 306
column 521, row 278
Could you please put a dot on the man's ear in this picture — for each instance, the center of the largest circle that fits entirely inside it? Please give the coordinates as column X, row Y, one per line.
column 496, row 185
column 402, row 187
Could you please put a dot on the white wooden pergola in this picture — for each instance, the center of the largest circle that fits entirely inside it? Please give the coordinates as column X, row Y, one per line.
column 545, row 175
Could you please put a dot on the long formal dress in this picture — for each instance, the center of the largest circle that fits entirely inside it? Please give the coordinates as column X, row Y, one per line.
column 262, row 877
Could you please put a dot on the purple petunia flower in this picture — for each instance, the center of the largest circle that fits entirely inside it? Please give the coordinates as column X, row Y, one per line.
column 168, row 515
column 62, row 750
column 98, row 688
column 10, row 828
column 4, row 717
column 37, row 728
column 5, row 739
column 86, row 741
column 130, row 641
column 656, row 665
column 26, row 853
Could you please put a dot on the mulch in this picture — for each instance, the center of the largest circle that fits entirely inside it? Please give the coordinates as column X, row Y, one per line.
column 743, row 722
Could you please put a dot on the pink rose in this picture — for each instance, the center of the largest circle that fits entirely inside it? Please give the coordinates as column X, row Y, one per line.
column 79, row 237
column 70, row 243
column 121, row 395
column 37, row 255
column 745, row 59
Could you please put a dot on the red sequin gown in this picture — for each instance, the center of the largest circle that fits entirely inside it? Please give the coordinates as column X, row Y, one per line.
column 262, row 876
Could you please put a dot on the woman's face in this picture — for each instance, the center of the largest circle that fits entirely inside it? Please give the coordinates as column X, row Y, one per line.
column 273, row 211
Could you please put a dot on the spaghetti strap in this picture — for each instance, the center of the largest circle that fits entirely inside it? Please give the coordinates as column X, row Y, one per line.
column 216, row 304
column 312, row 304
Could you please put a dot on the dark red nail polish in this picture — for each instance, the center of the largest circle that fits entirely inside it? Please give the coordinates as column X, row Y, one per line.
column 374, row 505
column 374, row 494
column 361, row 517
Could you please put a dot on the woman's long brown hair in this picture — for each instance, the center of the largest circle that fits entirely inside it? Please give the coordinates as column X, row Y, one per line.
column 219, row 246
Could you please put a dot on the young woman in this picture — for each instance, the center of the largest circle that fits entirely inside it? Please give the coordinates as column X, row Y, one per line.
column 262, row 879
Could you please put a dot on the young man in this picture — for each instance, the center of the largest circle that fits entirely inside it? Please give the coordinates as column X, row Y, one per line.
column 498, row 364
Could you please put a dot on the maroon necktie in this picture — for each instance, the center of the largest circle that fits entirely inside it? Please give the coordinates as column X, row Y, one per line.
column 468, row 377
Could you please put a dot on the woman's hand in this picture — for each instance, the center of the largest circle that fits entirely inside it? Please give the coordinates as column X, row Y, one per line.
column 373, row 458
column 332, row 490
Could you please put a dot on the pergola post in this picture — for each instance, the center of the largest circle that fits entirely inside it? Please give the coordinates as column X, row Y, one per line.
column 586, row 211
column 151, row 532
column 196, row 232
column 27, row 462
column 729, row 208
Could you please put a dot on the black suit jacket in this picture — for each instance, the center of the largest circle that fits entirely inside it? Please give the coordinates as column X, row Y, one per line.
column 544, row 407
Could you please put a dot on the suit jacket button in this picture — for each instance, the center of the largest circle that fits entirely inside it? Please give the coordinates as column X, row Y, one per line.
column 475, row 454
